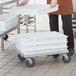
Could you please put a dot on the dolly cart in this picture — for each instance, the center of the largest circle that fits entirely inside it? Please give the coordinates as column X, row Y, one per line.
column 37, row 44
column 31, row 45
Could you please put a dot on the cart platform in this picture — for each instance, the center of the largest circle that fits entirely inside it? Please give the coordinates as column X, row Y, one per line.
column 41, row 43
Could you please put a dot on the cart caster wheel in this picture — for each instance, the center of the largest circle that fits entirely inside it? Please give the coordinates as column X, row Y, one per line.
column 56, row 56
column 20, row 57
column 30, row 63
column 66, row 60
column 5, row 37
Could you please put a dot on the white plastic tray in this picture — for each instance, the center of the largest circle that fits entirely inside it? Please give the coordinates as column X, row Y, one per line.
column 32, row 9
column 8, row 21
column 33, row 44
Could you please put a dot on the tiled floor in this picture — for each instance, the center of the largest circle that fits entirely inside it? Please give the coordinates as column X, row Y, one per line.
column 10, row 65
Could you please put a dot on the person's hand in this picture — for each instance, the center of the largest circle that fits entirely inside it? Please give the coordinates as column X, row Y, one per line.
column 53, row 3
column 24, row 2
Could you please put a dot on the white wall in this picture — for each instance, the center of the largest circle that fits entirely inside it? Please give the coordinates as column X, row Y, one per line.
column 74, row 5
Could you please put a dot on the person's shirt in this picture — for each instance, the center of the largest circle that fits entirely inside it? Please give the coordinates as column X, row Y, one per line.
column 65, row 7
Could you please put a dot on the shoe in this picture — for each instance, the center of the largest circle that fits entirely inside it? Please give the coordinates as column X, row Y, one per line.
column 71, row 51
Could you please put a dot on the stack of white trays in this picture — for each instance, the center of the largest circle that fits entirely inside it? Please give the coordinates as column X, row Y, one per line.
column 41, row 43
column 7, row 22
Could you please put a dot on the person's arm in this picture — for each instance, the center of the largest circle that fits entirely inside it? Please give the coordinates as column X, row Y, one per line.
column 53, row 2
column 24, row 2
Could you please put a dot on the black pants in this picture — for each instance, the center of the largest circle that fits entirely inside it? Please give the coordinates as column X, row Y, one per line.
column 67, row 27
